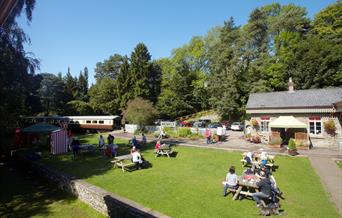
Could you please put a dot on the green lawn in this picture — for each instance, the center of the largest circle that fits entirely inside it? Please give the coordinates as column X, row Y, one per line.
column 189, row 185
column 339, row 163
column 23, row 194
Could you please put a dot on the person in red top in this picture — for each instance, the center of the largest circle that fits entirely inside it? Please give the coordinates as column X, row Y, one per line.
column 207, row 134
column 157, row 146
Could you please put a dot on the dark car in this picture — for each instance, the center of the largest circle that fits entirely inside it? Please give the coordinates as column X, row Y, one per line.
column 199, row 124
column 214, row 125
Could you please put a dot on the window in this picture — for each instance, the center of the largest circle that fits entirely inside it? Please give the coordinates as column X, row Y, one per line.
column 94, row 121
column 265, row 120
column 101, row 122
column 88, row 121
column 315, row 125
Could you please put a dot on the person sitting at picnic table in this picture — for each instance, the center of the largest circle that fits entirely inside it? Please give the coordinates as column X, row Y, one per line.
column 137, row 159
column 265, row 188
column 101, row 142
column 157, row 146
column 133, row 149
column 75, row 146
column 231, row 181
column 143, row 140
column 207, row 135
column 249, row 157
column 263, row 157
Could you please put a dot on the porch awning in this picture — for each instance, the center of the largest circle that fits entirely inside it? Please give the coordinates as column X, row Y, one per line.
column 287, row 122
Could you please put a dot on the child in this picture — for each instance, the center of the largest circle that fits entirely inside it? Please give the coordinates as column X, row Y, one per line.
column 231, row 180
column 157, row 146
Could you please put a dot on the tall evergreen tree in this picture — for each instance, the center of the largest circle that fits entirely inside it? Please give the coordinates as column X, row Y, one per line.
column 140, row 71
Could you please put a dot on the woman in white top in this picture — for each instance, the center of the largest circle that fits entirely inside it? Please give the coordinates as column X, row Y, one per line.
column 231, row 180
column 137, row 159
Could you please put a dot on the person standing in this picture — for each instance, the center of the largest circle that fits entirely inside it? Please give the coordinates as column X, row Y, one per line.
column 75, row 145
column 101, row 142
column 207, row 134
column 110, row 139
column 144, row 140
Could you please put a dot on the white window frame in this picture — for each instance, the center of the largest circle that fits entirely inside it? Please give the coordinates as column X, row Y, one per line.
column 314, row 121
column 264, row 123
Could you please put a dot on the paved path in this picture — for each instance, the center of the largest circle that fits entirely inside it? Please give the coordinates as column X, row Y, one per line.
column 331, row 178
column 322, row 159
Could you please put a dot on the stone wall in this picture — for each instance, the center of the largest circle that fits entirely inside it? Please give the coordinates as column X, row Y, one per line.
column 104, row 202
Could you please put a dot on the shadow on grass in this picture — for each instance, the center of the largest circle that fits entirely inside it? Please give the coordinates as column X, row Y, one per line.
column 24, row 194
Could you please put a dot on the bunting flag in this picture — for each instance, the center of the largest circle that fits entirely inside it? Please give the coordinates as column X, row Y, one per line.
column 59, row 141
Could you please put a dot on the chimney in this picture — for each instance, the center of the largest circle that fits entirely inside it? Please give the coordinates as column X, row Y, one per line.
column 291, row 85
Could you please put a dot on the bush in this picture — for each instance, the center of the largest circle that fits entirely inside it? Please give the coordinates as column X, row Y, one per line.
column 275, row 141
column 184, row 132
column 254, row 122
column 292, row 144
column 330, row 127
column 140, row 111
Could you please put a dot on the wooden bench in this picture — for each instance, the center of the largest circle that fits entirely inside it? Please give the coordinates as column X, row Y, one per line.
column 124, row 161
column 164, row 149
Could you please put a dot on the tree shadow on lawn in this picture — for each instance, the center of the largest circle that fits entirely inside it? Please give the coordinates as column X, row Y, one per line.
column 24, row 194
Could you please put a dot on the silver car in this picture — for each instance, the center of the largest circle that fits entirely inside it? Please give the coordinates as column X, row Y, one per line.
column 237, row 126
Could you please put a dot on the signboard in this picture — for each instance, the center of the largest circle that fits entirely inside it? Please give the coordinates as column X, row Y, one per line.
column 167, row 124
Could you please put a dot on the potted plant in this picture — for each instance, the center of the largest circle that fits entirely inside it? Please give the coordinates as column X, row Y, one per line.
column 330, row 127
column 275, row 142
column 256, row 139
column 291, row 147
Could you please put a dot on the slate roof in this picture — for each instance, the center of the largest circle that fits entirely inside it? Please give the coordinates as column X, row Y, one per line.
column 299, row 98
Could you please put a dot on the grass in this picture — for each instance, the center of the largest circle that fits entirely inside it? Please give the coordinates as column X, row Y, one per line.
column 189, row 185
column 339, row 163
column 24, row 194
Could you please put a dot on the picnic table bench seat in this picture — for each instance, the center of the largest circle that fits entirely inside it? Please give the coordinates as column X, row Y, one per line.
column 124, row 161
column 164, row 149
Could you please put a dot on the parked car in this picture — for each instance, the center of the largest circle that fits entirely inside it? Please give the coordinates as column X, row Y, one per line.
column 199, row 124
column 237, row 126
column 185, row 124
column 214, row 125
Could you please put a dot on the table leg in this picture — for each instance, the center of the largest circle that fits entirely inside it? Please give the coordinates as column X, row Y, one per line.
column 237, row 192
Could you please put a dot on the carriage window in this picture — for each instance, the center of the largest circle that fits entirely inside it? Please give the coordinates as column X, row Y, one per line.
column 88, row 121
column 101, row 122
column 94, row 121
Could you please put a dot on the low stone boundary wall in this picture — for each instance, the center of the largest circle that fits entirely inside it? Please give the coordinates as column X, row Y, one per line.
column 101, row 200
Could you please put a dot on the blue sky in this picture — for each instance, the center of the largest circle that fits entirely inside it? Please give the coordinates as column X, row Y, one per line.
column 79, row 33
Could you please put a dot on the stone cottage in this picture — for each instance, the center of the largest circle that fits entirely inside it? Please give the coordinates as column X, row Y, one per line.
column 314, row 109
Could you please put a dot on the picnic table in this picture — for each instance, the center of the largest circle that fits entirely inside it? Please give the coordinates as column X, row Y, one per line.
column 247, row 186
column 255, row 161
column 87, row 148
column 123, row 161
column 164, row 149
